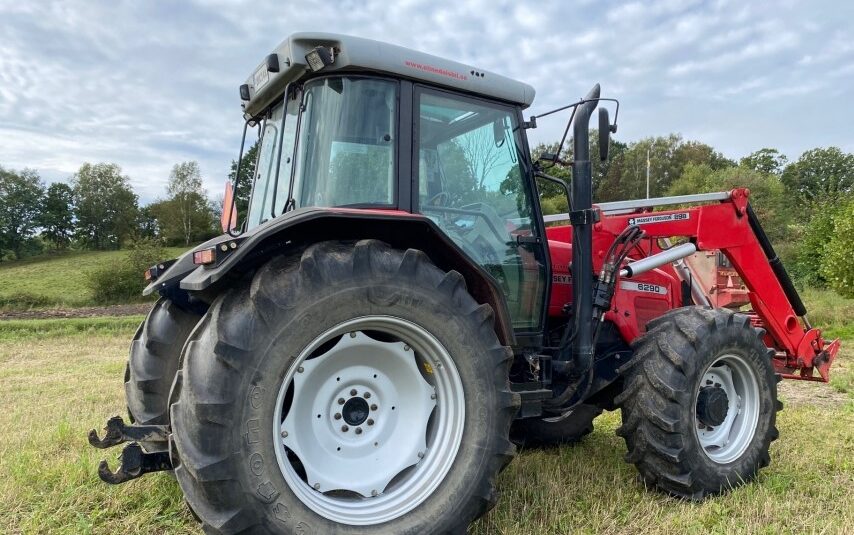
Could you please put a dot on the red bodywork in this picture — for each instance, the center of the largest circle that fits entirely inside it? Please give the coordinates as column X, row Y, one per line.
column 800, row 351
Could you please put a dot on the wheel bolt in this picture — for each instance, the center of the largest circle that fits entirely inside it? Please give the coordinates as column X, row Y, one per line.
column 353, row 335
column 374, row 493
column 373, row 406
column 432, row 396
column 420, row 454
column 345, row 428
column 284, row 434
column 358, row 430
column 406, row 348
column 337, row 415
column 353, row 392
column 370, row 421
column 340, row 401
column 367, row 395
column 300, row 369
column 317, row 486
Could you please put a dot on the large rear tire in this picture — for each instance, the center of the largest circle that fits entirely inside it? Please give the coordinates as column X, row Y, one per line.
column 700, row 403
column 153, row 362
column 351, row 388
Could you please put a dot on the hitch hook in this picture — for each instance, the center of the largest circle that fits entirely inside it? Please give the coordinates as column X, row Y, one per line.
column 116, row 432
column 134, row 463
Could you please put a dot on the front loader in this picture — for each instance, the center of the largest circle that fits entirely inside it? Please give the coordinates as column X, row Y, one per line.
column 364, row 349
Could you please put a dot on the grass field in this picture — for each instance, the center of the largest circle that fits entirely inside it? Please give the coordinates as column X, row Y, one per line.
column 55, row 280
column 60, row 378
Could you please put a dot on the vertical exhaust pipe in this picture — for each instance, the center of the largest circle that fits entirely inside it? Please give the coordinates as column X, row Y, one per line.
column 582, row 227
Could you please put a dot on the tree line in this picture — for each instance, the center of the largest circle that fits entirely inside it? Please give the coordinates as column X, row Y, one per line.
column 805, row 205
column 98, row 209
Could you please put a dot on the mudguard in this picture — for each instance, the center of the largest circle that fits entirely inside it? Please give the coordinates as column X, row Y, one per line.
column 303, row 226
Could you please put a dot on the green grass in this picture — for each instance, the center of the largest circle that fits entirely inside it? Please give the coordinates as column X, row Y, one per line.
column 830, row 311
column 18, row 330
column 55, row 280
column 55, row 386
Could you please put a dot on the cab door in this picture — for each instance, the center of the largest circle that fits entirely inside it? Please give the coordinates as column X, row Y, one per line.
column 473, row 183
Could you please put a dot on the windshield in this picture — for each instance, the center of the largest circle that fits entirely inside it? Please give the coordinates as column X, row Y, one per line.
column 264, row 201
column 346, row 142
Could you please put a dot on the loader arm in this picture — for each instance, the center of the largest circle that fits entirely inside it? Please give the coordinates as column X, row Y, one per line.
column 729, row 226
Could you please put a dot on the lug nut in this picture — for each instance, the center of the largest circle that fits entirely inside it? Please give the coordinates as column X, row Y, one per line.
column 358, row 430
column 432, row 396
column 406, row 348
column 367, row 395
column 373, row 406
column 420, row 454
column 353, row 392
column 374, row 493
column 300, row 369
column 337, row 415
column 340, row 401
column 317, row 486
column 284, row 434
column 370, row 421
column 345, row 428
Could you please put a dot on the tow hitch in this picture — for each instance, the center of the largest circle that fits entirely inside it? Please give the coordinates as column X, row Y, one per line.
column 133, row 462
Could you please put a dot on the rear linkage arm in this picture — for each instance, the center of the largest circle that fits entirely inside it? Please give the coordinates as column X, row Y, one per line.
column 133, row 462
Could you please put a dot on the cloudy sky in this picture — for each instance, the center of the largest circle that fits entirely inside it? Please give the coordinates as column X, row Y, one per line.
column 149, row 84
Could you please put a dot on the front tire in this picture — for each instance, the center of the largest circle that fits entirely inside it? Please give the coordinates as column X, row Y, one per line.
column 258, row 425
column 700, row 402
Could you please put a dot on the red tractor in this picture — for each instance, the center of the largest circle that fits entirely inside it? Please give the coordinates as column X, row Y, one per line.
column 363, row 350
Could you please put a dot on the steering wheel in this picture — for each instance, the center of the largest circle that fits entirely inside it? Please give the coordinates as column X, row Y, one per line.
column 444, row 195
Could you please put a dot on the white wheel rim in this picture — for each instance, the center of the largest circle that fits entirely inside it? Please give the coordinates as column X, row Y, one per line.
column 726, row 442
column 392, row 441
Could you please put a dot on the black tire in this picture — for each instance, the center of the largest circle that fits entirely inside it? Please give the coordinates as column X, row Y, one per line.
column 556, row 431
column 153, row 362
column 659, row 408
column 235, row 361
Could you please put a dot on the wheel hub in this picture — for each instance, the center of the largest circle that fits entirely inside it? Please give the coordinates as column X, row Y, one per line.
column 712, row 406
column 355, row 411
column 727, row 408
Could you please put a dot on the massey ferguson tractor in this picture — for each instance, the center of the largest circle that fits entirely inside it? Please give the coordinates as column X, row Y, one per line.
column 364, row 349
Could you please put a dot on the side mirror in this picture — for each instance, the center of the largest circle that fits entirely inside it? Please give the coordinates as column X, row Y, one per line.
column 604, row 134
column 228, row 219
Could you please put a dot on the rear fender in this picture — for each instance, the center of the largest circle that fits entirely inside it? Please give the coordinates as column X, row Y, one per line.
column 299, row 228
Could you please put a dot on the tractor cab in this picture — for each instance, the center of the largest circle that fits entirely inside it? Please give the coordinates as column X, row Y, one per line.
column 406, row 132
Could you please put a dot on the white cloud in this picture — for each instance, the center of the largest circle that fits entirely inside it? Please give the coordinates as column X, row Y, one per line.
column 147, row 85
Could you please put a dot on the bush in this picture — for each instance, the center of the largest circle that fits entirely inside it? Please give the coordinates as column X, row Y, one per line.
column 122, row 280
column 838, row 265
column 811, row 247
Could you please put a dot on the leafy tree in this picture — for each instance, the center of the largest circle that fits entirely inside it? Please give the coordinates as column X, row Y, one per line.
column 20, row 202
column 191, row 218
column 765, row 161
column 837, row 267
column 57, row 214
column 104, row 204
column 767, row 194
column 122, row 280
column 821, row 175
column 247, row 177
column 811, row 246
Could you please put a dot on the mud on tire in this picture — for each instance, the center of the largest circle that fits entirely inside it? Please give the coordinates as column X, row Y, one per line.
column 224, row 435
column 659, row 402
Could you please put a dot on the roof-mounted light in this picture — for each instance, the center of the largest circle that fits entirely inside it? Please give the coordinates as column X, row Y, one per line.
column 319, row 58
